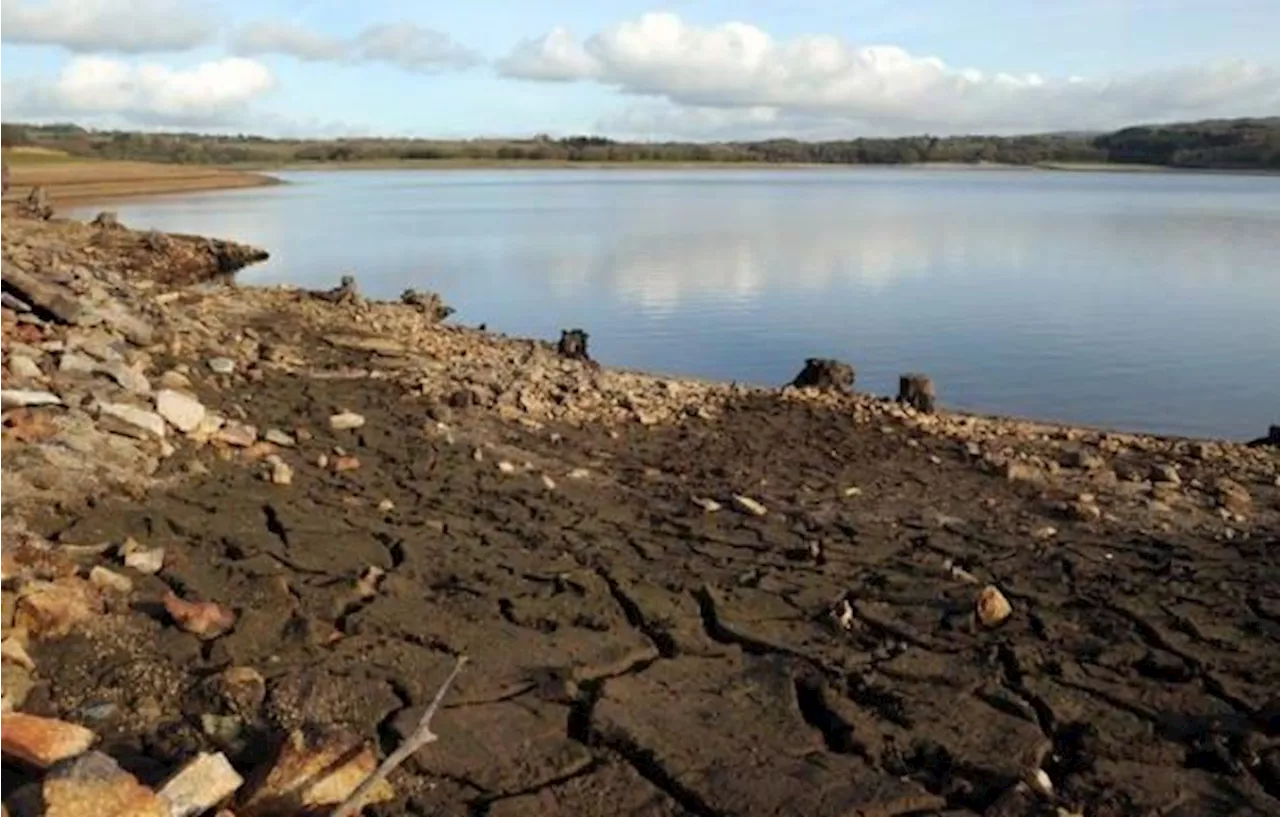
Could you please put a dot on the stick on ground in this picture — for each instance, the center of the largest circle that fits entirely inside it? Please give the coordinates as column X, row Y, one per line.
column 421, row 736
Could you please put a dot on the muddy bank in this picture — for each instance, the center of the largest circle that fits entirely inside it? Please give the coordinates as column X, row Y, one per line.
column 676, row 597
column 84, row 181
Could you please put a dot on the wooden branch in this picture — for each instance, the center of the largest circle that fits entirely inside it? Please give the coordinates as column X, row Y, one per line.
column 421, row 736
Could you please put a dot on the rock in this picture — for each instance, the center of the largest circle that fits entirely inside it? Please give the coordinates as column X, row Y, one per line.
column 579, row 473
column 205, row 781
column 386, row 506
column 128, row 377
column 548, row 483
column 1232, row 495
column 13, row 652
column 180, row 410
column 280, row 472
column 175, row 380
column 105, row 579
column 277, row 437
column 78, row 363
column 203, row 619
column 142, row 559
column 1165, row 473
column 1018, row 471
column 20, row 398
column 346, row 293
column 1084, row 509
column 826, row 374
column 506, row 467
column 706, row 503
column 992, row 606
column 314, row 770
column 1044, row 532
column 42, row 742
column 94, row 785
column 222, row 365
column 346, row 421
column 131, row 421
column 429, row 303
column 240, row 689
column 24, row 368
column 573, row 344
column 917, row 391
column 107, row 220
column 47, row 299
column 341, row 464
column 748, row 505
column 1081, row 458
column 54, row 609
column 237, row 434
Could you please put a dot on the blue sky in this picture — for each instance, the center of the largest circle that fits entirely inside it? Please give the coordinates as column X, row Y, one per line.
column 684, row 69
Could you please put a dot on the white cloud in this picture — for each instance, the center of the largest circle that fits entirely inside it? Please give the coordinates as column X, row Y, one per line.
column 405, row 45
column 130, row 26
column 91, row 89
column 834, row 85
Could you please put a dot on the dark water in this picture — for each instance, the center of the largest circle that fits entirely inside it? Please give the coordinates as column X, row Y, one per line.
column 1139, row 301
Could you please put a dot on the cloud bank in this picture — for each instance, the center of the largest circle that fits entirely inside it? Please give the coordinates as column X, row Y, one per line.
column 90, row 89
column 129, row 26
column 736, row 73
column 402, row 44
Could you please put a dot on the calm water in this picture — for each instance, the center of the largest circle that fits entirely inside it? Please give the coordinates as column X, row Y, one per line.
column 1148, row 302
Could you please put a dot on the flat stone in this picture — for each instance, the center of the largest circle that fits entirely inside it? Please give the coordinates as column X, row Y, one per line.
column 22, row 398
column 94, row 785
column 182, row 411
column 142, row 559
column 78, row 363
column 222, row 365
column 1165, row 474
column 42, row 742
column 175, row 380
column 131, row 421
column 748, row 505
column 280, row 473
column 312, row 771
column 24, row 368
column 197, row 787
column 128, row 377
column 54, row 609
column 237, row 434
column 104, row 579
column 278, row 437
column 346, row 421
column 706, row 503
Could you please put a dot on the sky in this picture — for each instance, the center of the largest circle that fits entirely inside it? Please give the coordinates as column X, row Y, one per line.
column 689, row 69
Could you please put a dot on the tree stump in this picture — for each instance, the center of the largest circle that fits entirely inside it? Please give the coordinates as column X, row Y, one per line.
column 573, row 344
column 107, row 220
column 37, row 205
column 825, row 373
column 916, row 390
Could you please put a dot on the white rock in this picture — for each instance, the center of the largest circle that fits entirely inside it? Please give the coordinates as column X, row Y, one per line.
column 110, row 580
column 182, row 411
column 579, row 473
column 548, row 483
column 174, row 379
column 506, row 467
column 142, row 559
column 16, row 398
column 128, row 377
column 281, row 472
column 24, row 368
column 748, row 505
column 346, row 421
column 200, row 785
column 222, row 365
column 130, row 421
column 706, row 503
column 278, row 437
column 77, row 362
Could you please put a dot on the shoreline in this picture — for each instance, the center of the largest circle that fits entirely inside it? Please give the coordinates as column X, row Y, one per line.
column 279, row 516
column 80, row 183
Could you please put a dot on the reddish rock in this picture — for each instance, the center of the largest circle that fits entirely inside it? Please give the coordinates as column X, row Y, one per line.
column 54, row 609
column 203, row 619
column 42, row 742
column 94, row 785
column 311, row 771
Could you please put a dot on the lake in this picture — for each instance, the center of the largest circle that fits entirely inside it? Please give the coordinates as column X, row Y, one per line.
column 1141, row 301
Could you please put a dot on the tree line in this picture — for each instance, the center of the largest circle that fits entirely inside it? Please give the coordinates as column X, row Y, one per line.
column 1235, row 144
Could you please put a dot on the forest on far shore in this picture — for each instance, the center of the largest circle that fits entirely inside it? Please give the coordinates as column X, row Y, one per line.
column 1236, row 144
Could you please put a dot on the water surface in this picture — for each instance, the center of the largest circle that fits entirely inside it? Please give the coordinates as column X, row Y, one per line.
column 1138, row 301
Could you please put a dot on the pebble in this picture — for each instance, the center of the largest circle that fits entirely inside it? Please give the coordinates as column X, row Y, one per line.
column 346, row 421
column 131, row 421
column 992, row 606
column 24, row 368
column 579, row 473
column 142, row 559
column 93, row 784
column 173, row 379
column 222, row 365
column 386, row 506
column 105, row 579
column 182, row 411
column 346, row 464
column 748, row 505
column 203, row 619
column 77, row 363
column 506, row 467
column 237, row 434
column 23, row 398
column 280, row 473
column 548, row 483
column 853, row 490
column 1165, row 473
column 280, row 438
column 205, row 781
column 706, row 503
column 42, row 742
column 128, row 377
column 1044, row 532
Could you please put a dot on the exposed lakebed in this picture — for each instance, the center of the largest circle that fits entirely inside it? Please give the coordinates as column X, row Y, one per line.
column 1137, row 301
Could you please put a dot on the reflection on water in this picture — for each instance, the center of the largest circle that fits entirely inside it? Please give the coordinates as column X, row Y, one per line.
column 1142, row 301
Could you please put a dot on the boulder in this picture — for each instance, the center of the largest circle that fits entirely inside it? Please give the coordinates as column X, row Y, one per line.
column 42, row 742
column 917, row 391
column 573, row 344
column 180, row 410
column 825, row 373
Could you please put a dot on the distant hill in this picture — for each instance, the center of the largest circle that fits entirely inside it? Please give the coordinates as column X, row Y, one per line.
column 1227, row 144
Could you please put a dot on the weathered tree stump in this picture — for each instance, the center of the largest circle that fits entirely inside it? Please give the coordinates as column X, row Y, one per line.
column 428, row 303
column 346, row 293
column 825, row 373
column 573, row 344
column 37, row 205
column 916, row 390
